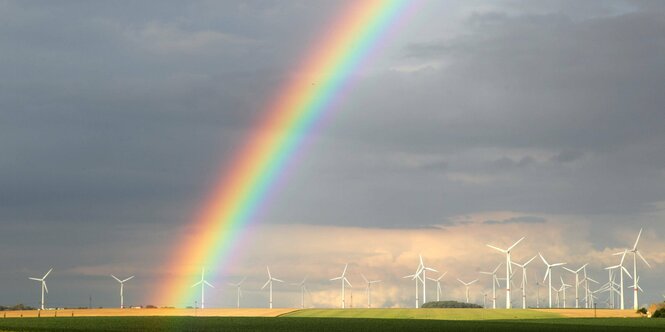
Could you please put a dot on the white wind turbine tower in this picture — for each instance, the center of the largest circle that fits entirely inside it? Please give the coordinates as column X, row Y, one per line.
column 238, row 292
column 524, row 280
column 203, row 284
column 635, row 254
column 549, row 273
column 577, row 283
column 588, row 300
column 122, row 286
column 416, row 277
column 509, row 268
column 610, row 288
column 343, row 279
column 558, row 293
column 368, row 289
column 495, row 282
column 564, row 286
column 467, row 284
column 424, row 270
column 43, row 286
column 537, row 295
column 621, row 269
column 439, row 291
column 269, row 282
column 303, row 289
column 636, row 284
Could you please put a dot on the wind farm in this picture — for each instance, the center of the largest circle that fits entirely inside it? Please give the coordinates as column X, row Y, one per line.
column 338, row 165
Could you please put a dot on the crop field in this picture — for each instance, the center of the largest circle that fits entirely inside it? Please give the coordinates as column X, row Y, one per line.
column 341, row 320
column 462, row 314
column 214, row 312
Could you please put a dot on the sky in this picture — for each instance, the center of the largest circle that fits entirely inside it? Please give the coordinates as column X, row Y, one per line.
column 475, row 123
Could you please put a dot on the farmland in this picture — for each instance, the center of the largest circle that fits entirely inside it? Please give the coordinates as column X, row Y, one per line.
column 339, row 320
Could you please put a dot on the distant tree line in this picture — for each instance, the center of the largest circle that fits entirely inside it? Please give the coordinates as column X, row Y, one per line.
column 450, row 304
column 19, row 306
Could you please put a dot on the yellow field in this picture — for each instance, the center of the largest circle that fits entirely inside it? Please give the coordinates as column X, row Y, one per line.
column 249, row 312
column 588, row 313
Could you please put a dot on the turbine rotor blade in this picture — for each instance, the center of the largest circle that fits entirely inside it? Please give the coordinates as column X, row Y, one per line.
column 495, row 248
column 529, row 261
column 516, row 243
column 543, row 258
column 128, row 279
column 625, row 270
column 642, row 257
column 118, row 280
column 638, row 240
column 45, row 288
column 47, row 273
column 266, row 284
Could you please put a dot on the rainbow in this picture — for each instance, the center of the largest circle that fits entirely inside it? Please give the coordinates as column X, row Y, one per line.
column 246, row 183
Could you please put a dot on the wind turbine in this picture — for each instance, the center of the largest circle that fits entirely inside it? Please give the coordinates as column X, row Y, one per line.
column 438, row 285
column 635, row 284
column 43, row 286
column 416, row 277
column 368, row 289
column 239, row 292
column 558, row 293
column 635, row 254
column 537, row 295
column 610, row 287
column 588, row 300
column 495, row 282
column 303, row 289
column 524, row 280
column 564, row 286
column 269, row 282
column 424, row 270
column 343, row 280
column 122, row 286
column 549, row 273
column 509, row 268
column 467, row 284
column 621, row 269
column 203, row 283
column 577, row 282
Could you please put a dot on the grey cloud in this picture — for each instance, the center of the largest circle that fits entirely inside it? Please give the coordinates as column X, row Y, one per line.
column 541, row 108
column 568, row 156
column 517, row 220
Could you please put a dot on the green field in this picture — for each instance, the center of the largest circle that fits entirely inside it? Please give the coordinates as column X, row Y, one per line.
column 441, row 314
column 285, row 324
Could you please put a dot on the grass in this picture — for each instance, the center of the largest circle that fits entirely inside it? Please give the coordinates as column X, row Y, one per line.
column 285, row 324
column 428, row 313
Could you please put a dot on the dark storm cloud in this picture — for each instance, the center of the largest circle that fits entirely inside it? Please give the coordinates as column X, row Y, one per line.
column 538, row 113
column 116, row 118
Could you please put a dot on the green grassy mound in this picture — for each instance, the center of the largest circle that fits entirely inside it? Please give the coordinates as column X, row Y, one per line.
column 425, row 313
